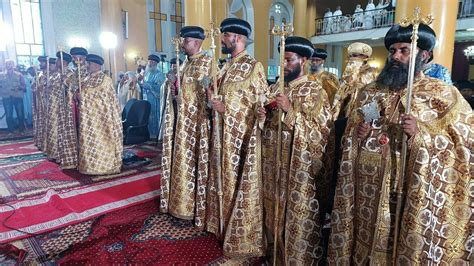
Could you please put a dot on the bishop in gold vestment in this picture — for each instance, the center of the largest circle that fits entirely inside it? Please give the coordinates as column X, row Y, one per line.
column 307, row 113
column 100, row 124
column 436, row 220
column 241, row 81
column 186, row 144
column 357, row 74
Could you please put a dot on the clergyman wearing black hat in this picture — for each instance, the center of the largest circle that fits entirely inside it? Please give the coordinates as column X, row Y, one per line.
column 192, row 39
column 235, row 33
column 100, row 127
column 437, row 178
column 242, row 83
column 307, row 113
column 329, row 81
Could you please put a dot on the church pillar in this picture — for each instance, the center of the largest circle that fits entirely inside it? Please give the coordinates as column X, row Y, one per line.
column 444, row 24
column 198, row 13
column 311, row 18
column 299, row 18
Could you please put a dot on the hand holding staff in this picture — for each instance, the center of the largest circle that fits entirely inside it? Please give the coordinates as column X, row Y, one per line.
column 415, row 21
column 212, row 33
column 283, row 32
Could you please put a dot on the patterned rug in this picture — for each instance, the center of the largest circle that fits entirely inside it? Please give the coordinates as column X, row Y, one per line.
column 27, row 172
column 136, row 235
column 5, row 135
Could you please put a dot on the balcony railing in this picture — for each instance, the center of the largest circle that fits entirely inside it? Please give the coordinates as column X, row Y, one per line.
column 466, row 9
column 377, row 18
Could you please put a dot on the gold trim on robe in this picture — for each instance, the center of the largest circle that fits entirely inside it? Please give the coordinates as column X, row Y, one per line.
column 186, row 144
column 436, row 225
column 302, row 185
column 100, row 127
column 241, row 80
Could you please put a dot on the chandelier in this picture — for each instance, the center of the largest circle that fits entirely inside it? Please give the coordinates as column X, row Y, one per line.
column 469, row 51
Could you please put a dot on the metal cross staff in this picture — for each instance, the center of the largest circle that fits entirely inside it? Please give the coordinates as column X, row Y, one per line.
column 415, row 21
column 177, row 41
column 282, row 32
column 212, row 33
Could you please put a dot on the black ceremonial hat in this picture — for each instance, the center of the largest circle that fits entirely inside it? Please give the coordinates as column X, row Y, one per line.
column 154, row 57
column 95, row 59
column 42, row 58
column 236, row 25
column 66, row 57
column 78, row 51
column 52, row 60
column 397, row 33
column 193, row 32
column 173, row 61
column 299, row 45
column 320, row 53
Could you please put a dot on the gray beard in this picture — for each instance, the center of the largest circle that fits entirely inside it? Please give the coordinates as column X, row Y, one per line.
column 315, row 69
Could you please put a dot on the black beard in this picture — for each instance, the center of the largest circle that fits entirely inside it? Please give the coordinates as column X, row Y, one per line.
column 293, row 74
column 226, row 50
column 396, row 78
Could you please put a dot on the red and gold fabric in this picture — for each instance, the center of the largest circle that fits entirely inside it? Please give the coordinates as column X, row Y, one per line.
column 436, row 220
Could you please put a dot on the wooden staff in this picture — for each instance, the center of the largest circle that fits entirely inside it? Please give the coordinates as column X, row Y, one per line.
column 415, row 21
column 282, row 32
column 212, row 33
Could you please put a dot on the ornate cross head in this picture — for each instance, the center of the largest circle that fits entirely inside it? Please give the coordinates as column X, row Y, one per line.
column 416, row 19
column 177, row 41
column 212, row 33
column 283, row 30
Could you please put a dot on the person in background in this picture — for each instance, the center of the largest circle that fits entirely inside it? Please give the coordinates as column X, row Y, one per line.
column 358, row 17
column 328, row 80
column 369, row 15
column 128, row 89
column 438, row 71
column 28, row 99
column 152, row 81
column 13, row 89
column 327, row 21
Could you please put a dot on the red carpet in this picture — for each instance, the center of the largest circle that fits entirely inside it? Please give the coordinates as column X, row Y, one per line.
column 136, row 235
column 58, row 209
column 17, row 148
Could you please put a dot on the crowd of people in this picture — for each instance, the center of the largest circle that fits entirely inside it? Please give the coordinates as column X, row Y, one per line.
column 306, row 170
column 368, row 18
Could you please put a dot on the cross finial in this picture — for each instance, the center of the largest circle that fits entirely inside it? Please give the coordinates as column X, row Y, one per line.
column 283, row 31
column 417, row 19
column 211, row 33
column 177, row 41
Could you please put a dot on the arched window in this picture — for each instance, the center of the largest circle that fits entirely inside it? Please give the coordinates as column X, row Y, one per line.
column 27, row 29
